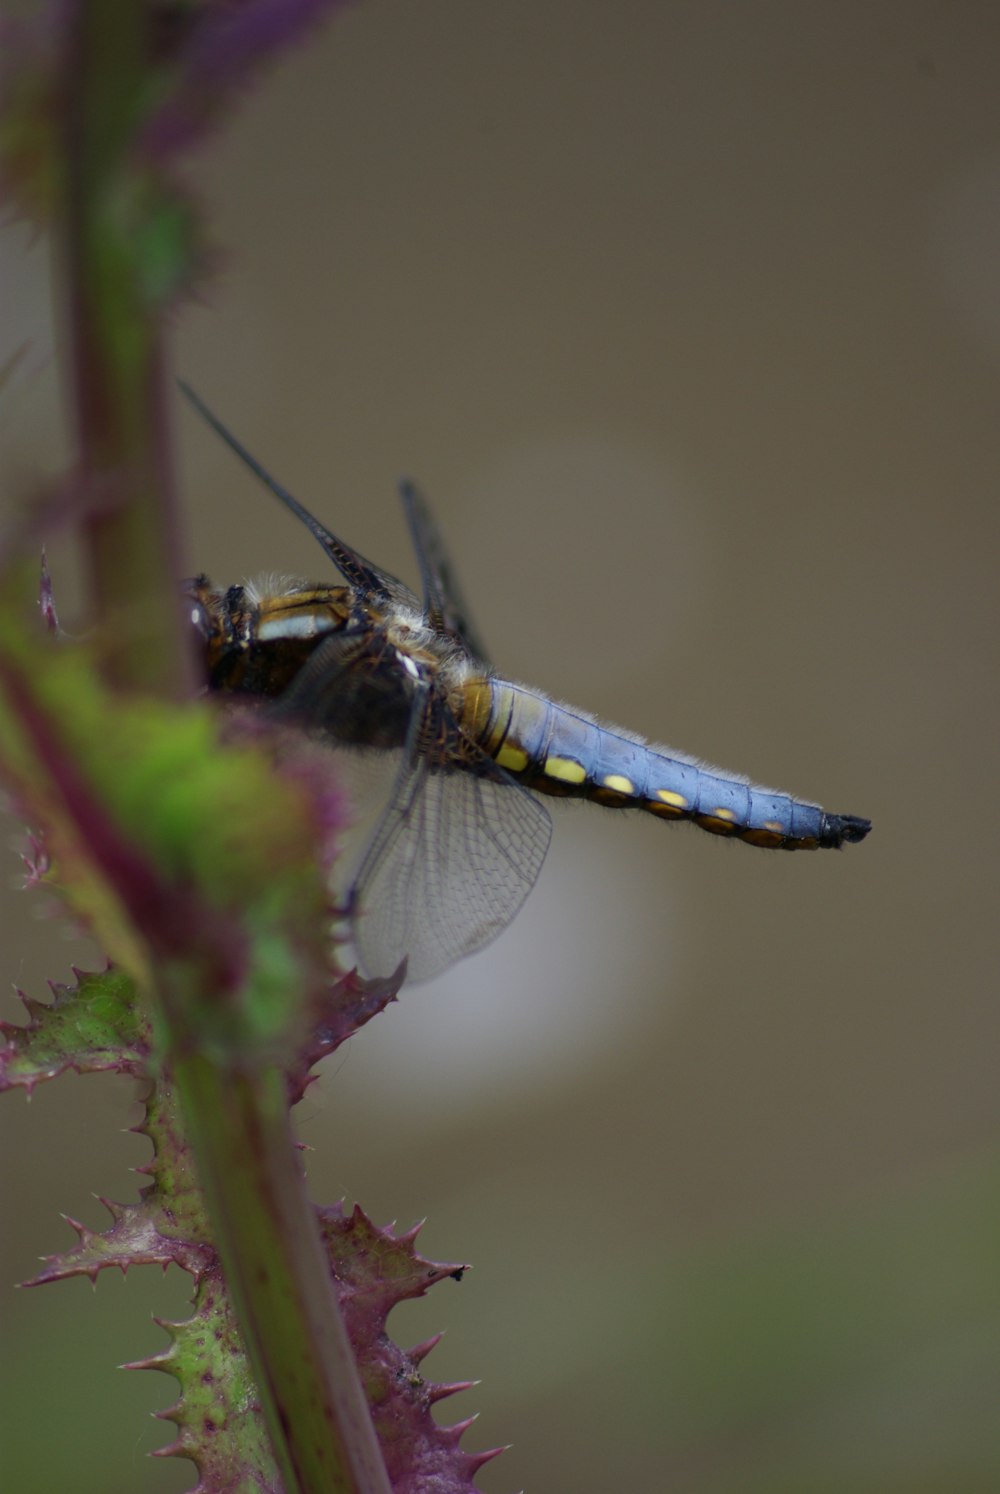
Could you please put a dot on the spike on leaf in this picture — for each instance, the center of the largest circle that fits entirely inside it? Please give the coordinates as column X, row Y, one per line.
column 46, row 599
column 442, row 1392
column 36, row 863
column 458, row 1429
column 421, row 1351
column 475, row 1461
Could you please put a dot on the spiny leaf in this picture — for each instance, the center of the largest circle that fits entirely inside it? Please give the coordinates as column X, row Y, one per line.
column 168, row 1225
column 351, row 1002
column 375, row 1268
column 218, row 1418
column 91, row 1026
column 172, row 1192
column 134, row 1238
column 219, row 1427
column 217, row 1415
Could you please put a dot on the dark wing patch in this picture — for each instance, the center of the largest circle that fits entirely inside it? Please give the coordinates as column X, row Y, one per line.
column 346, row 691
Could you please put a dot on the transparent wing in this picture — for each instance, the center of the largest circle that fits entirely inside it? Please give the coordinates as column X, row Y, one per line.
column 453, row 858
column 444, row 605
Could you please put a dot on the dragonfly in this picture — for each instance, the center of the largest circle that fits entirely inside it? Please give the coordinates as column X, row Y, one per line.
column 460, row 840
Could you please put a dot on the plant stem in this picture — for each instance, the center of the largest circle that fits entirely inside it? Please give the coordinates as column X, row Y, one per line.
column 116, row 356
column 279, row 1281
column 236, row 1117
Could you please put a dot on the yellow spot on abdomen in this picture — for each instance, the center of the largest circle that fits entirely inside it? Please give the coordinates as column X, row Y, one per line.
column 565, row 769
column 619, row 783
column 676, row 801
column 513, row 758
column 774, row 825
column 724, row 814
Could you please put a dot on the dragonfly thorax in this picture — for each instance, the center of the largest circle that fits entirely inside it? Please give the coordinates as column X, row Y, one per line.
column 256, row 637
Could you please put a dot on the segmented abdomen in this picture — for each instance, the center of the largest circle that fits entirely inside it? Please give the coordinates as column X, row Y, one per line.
column 553, row 750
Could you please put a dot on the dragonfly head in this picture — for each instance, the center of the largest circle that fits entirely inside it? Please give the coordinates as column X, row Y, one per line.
column 197, row 598
column 220, row 621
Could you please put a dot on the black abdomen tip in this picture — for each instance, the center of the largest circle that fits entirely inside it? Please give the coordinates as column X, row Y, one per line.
column 839, row 829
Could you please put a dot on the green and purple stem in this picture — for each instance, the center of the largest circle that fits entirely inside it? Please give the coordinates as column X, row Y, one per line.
column 235, row 973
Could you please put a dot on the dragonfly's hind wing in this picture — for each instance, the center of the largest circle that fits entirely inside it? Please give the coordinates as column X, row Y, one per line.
column 444, row 605
column 452, row 859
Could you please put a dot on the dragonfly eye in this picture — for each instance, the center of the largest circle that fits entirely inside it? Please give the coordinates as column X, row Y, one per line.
column 199, row 619
column 197, row 613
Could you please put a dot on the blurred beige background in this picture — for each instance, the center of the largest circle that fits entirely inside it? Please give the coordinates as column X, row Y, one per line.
column 687, row 317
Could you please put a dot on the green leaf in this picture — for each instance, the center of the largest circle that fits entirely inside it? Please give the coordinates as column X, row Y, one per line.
column 90, row 1027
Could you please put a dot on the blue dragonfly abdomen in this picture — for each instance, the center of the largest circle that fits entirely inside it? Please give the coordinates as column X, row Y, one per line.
column 554, row 749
